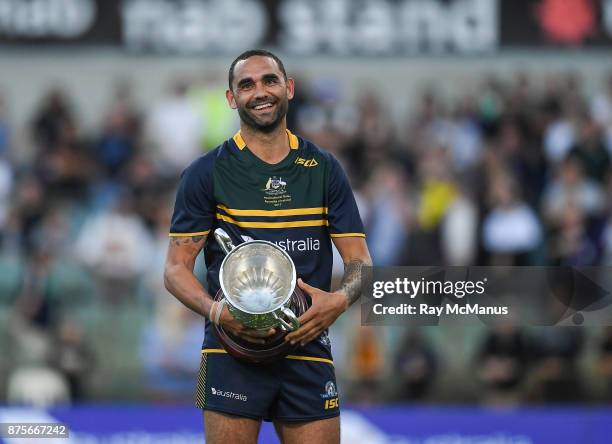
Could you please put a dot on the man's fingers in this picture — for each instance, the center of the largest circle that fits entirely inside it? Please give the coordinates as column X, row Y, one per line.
column 252, row 335
column 300, row 333
column 304, row 286
column 307, row 316
column 307, row 336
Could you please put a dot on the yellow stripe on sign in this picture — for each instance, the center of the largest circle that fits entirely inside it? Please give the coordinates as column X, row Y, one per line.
column 274, row 213
column 292, row 224
column 201, row 233
column 294, row 357
column 347, row 235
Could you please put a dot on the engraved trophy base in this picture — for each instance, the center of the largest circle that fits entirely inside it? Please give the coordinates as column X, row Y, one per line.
column 275, row 348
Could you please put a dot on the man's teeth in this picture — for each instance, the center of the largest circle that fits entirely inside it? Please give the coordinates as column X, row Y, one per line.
column 265, row 105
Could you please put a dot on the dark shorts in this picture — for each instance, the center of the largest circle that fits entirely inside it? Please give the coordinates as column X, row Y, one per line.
column 296, row 388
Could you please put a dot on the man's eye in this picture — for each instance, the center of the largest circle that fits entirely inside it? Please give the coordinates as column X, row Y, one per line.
column 271, row 81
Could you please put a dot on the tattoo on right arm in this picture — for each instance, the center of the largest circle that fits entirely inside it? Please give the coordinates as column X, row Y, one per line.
column 351, row 283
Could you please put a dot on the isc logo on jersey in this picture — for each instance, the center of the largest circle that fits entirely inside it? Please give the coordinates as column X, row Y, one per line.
column 307, row 163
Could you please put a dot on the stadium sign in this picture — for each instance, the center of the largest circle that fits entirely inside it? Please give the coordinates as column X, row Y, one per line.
column 309, row 27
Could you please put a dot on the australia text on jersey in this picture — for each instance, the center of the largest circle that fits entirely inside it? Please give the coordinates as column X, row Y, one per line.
column 290, row 246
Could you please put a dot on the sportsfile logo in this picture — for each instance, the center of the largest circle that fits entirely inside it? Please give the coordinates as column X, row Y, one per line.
column 231, row 395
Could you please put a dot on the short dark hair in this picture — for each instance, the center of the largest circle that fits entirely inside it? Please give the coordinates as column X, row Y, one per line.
column 252, row 53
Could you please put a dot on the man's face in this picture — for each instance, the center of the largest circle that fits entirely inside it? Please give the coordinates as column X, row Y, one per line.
column 260, row 93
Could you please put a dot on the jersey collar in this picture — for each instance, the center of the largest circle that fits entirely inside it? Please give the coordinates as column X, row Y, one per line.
column 294, row 142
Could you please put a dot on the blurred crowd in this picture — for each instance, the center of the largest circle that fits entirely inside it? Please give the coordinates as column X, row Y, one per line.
column 515, row 171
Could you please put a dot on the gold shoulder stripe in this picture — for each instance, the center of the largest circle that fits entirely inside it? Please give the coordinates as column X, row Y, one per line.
column 292, row 224
column 294, row 357
column 347, row 235
column 201, row 233
column 294, row 142
column 274, row 213
column 239, row 141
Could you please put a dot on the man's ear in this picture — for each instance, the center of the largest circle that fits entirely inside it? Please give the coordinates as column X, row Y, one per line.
column 290, row 88
column 229, row 95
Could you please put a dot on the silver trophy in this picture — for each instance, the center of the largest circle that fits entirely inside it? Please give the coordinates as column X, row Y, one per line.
column 257, row 280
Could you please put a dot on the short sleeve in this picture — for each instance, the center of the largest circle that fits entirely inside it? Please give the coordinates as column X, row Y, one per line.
column 343, row 215
column 194, row 209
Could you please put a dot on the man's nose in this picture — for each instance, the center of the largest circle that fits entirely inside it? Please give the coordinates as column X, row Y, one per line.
column 260, row 90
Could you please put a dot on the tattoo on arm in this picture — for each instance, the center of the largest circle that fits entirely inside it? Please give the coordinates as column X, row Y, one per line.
column 186, row 248
column 186, row 240
column 351, row 283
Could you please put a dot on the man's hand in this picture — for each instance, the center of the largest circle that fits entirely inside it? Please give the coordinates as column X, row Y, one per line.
column 237, row 328
column 325, row 309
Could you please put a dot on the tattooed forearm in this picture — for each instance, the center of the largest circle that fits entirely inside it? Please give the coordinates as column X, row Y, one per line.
column 178, row 273
column 352, row 280
column 186, row 240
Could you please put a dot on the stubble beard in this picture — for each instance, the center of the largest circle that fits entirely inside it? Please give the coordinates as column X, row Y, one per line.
column 251, row 121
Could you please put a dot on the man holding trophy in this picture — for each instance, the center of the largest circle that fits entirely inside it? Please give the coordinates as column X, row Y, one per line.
column 265, row 206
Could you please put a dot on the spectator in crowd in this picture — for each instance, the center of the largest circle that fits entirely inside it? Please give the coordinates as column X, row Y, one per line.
column 116, row 246
column 5, row 131
column 465, row 137
column 571, row 188
column 6, row 169
column 175, row 131
column 73, row 358
column 560, row 134
column 459, row 231
column 554, row 375
column 601, row 111
column 28, row 209
column 502, row 364
column 604, row 363
column 118, row 140
column 166, row 351
column 367, row 364
column 511, row 230
column 414, row 367
column 589, row 149
column 218, row 119
column 390, row 216
column 52, row 121
column 570, row 243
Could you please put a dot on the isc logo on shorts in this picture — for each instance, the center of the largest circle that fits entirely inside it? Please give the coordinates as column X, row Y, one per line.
column 333, row 403
column 330, row 396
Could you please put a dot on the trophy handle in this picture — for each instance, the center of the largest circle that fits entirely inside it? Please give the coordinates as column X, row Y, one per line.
column 293, row 323
column 224, row 240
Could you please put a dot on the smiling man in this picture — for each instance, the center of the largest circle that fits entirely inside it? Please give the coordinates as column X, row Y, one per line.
column 267, row 183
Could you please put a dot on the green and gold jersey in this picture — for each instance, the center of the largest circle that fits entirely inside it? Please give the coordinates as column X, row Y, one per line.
column 298, row 203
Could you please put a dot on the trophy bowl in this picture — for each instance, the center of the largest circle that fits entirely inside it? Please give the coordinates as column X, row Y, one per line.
column 258, row 285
